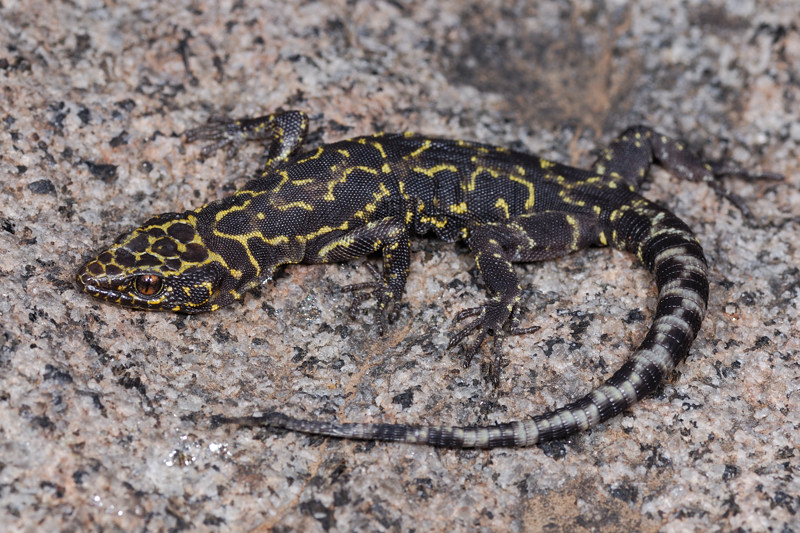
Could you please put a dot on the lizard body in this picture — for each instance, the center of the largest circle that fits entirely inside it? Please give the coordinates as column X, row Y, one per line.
column 372, row 193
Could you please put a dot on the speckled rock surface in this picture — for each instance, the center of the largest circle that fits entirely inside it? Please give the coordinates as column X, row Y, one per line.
column 103, row 411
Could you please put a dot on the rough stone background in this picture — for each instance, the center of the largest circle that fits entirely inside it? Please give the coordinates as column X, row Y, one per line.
column 103, row 410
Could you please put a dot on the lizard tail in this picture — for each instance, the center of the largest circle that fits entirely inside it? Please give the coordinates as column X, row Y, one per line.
column 669, row 249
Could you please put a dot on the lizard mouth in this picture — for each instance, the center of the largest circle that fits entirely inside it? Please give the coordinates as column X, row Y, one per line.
column 88, row 281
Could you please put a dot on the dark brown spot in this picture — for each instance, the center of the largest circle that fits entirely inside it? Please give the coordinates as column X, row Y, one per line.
column 148, row 260
column 138, row 244
column 113, row 270
column 195, row 253
column 166, row 247
column 124, row 258
column 173, row 264
column 105, row 257
column 94, row 268
column 183, row 232
column 156, row 232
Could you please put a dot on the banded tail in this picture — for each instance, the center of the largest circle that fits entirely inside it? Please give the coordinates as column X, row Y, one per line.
column 667, row 247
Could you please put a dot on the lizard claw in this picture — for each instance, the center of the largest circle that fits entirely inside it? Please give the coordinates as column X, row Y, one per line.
column 462, row 333
column 493, row 368
column 223, row 131
column 488, row 314
column 379, row 290
column 722, row 168
column 515, row 329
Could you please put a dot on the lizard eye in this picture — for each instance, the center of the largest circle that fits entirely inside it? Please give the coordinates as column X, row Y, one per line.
column 148, row 284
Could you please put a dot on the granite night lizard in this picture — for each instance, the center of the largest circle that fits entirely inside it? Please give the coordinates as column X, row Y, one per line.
column 371, row 194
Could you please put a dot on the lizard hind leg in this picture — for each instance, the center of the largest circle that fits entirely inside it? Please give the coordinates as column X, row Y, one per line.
column 496, row 246
column 494, row 367
column 630, row 155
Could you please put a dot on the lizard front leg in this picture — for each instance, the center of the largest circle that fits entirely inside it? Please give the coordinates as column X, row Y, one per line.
column 285, row 132
column 390, row 236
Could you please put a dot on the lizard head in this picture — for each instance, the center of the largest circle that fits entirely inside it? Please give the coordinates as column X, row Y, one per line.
column 161, row 265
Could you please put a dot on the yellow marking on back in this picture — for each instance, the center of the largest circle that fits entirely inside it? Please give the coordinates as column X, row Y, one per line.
column 275, row 241
column 459, row 209
column 363, row 214
column 315, row 155
column 564, row 194
column 503, row 205
column 232, row 209
column 529, row 202
column 284, row 179
column 379, row 147
column 290, row 205
column 384, row 193
column 441, row 224
column 431, row 172
column 425, row 145
column 329, row 196
column 469, row 185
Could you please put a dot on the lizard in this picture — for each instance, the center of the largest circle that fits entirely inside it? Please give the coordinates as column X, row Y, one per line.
column 371, row 194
